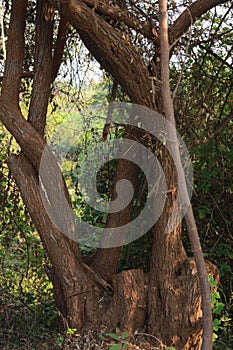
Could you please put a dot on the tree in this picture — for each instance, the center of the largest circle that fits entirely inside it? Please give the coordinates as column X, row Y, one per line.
column 172, row 283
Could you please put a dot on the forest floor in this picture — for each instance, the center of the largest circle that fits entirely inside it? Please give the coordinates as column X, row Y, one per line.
column 93, row 341
column 22, row 328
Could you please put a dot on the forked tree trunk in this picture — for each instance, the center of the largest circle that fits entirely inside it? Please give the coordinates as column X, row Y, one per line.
column 167, row 301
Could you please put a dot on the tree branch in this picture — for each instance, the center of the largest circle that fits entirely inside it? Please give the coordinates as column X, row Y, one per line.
column 26, row 136
column 114, row 53
column 42, row 66
column 15, row 52
column 212, row 53
column 59, row 46
column 190, row 15
column 121, row 15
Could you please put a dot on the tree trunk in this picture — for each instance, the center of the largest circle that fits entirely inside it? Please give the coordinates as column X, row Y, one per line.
column 167, row 301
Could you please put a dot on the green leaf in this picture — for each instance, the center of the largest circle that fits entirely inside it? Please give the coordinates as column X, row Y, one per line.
column 215, row 336
column 124, row 335
column 212, row 282
column 218, row 308
column 115, row 347
column 113, row 335
column 216, row 324
column 71, row 331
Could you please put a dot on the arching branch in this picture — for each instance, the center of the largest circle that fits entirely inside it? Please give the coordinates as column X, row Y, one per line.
column 117, row 14
column 114, row 53
column 190, row 15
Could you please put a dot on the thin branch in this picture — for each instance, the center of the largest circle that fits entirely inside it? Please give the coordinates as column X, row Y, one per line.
column 110, row 111
column 184, row 61
column 97, row 278
column 3, row 33
column 214, row 35
column 212, row 53
column 216, row 132
column 59, row 46
column 189, row 217
column 184, row 21
column 15, row 52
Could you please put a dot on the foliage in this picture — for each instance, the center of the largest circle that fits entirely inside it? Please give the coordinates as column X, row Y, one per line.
column 120, row 337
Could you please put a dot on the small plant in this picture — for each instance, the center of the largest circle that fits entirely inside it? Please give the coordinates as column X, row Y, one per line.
column 121, row 339
column 217, row 306
column 59, row 341
column 71, row 331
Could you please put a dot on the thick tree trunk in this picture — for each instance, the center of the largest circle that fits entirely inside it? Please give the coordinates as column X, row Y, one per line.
column 73, row 288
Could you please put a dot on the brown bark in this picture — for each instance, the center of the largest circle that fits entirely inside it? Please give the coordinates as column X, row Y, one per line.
column 114, row 53
column 15, row 51
column 126, row 308
column 122, row 15
column 42, row 69
column 59, row 46
column 72, row 282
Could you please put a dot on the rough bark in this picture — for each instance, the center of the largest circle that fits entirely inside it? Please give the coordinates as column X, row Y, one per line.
column 73, row 288
column 111, row 50
column 42, row 68
column 15, row 51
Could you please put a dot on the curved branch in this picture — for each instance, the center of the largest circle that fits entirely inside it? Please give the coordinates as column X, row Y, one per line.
column 113, row 53
column 15, row 52
column 31, row 143
column 190, row 15
column 120, row 15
